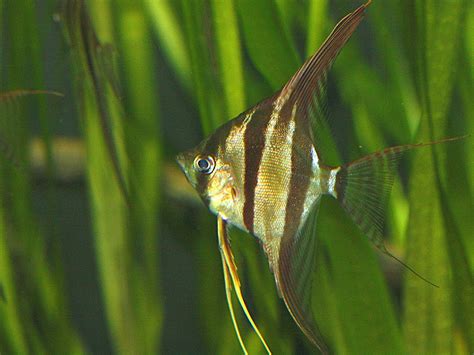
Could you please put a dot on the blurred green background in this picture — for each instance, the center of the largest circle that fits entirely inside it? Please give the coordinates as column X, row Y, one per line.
column 105, row 249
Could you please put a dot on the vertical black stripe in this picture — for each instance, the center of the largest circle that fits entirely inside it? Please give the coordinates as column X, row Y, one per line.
column 219, row 137
column 254, row 143
column 299, row 183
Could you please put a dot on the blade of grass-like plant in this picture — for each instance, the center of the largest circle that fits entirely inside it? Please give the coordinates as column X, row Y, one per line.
column 466, row 79
column 286, row 9
column 457, row 202
column 270, row 48
column 109, row 215
column 362, row 301
column 229, row 55
column 12, row 337
column 171, row 37
column 96, row 60
column 427, row 311
column 145, row 165
column 316, row 25
column 428, row 317
column 463, row 281
column 325, row 304
column 108, row 208
column 15, row 129
column 197, row 24
column 386, row 20
column 357, row 80
column 467, row 88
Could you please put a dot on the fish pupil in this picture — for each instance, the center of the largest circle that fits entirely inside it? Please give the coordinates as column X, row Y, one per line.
column 204, row 165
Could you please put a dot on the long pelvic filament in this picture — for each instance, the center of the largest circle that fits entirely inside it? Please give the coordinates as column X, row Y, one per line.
column 228, row 289
column 230, row 269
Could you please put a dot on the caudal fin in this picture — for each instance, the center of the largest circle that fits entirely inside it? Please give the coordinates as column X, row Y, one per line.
column 363, row 187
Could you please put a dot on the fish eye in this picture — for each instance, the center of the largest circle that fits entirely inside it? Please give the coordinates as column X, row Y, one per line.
column 204, row 165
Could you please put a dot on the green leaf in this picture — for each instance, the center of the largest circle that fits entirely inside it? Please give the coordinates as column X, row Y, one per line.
column 11, row 331
column 204, row 83
column 97, row 102
column 316, row 25
column 427, row 321
column 229, row 55
column 269, row 46
column 429, row 324
column 362, row 303
column 171, row 37
column 466, row 87
column 145, row 153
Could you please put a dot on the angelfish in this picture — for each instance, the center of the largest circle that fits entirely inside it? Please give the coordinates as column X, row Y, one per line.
column 262, row 172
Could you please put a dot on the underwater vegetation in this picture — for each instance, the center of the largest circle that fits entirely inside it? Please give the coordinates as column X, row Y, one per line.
column 104, row 246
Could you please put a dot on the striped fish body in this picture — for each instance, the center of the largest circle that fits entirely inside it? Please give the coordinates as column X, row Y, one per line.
column 266, row 176
column 262, row 173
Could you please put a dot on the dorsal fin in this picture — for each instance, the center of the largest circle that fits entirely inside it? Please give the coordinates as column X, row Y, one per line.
column 307, row 87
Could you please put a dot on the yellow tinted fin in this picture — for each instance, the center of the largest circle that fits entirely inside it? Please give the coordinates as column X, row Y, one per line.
column 231, row 269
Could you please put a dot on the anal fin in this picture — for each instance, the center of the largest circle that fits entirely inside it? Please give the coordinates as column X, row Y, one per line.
column 294, row 275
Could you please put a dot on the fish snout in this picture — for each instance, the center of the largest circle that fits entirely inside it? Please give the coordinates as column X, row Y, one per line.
column 181, row 160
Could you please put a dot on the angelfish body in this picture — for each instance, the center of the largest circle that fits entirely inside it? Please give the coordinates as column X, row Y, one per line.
column 262, row 173
column 267, row 175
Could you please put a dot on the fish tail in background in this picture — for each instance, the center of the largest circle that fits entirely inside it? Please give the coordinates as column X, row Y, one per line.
column 363, row 187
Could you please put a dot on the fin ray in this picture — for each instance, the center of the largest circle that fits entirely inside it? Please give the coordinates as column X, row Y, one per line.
column 307, row 88
column 363, row 187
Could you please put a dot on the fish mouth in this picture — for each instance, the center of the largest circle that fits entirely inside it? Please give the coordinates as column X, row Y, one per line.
column 180, row 159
